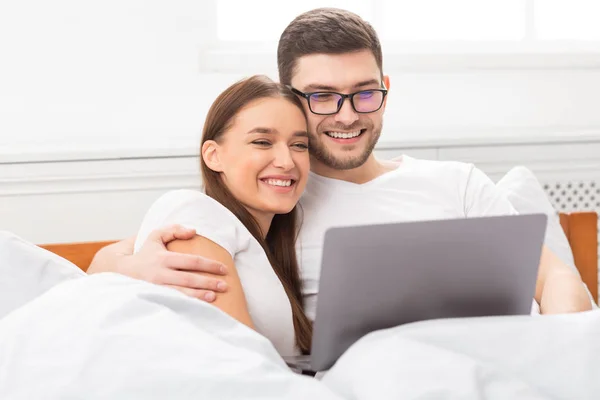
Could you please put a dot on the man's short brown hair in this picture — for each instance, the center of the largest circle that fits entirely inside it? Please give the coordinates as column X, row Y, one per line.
column 324, row 31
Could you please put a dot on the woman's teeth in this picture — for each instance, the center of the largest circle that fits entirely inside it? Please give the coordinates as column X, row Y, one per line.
column 278, row 182
column 343, row 135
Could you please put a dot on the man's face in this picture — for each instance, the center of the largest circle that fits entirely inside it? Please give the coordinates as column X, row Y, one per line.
column 333, row 138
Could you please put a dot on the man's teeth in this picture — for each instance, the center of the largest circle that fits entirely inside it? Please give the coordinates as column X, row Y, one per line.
column 343, row 135
column 278, row 182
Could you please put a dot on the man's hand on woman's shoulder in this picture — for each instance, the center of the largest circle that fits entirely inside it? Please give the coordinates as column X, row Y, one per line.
column 155, row 264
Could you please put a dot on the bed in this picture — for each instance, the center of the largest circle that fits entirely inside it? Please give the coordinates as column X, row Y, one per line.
column 110, row 336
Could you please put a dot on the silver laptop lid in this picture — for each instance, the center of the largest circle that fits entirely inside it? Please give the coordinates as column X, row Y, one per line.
column 380, row 276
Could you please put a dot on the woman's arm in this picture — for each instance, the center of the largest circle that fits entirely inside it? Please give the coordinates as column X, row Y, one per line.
column 234, row 301
column 559, row 289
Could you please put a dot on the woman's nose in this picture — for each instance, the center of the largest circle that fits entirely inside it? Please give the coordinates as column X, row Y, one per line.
column 283, row 159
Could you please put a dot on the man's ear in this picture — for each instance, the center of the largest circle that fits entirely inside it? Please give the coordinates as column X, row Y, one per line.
column 386, row 82
column 210, row 155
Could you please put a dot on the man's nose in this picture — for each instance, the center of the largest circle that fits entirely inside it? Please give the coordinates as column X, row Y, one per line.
column 346, row 115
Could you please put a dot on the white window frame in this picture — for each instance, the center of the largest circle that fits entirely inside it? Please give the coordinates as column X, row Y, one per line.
column 259, row 57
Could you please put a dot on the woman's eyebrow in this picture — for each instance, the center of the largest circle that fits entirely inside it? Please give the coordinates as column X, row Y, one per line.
column 260, row 129
column 301, row 134
column 271, row 131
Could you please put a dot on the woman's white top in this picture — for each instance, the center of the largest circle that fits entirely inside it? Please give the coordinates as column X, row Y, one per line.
column 267, row 301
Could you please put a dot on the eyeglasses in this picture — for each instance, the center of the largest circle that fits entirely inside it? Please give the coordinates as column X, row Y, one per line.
column 329, row 103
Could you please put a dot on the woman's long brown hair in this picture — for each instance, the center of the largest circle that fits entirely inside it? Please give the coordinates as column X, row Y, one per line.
column 279, row 244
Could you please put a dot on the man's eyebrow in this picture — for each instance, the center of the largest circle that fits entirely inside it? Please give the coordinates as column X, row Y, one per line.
column 315, row 86
column 368, row 82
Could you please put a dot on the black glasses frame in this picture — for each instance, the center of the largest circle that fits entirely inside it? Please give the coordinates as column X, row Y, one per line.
column 349, row 96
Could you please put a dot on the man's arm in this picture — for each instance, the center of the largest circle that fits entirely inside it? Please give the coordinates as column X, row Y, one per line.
column 155, row 264
column 108, row 258
column 559, row 289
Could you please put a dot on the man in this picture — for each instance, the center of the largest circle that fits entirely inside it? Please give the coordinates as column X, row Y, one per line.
column 332, row 60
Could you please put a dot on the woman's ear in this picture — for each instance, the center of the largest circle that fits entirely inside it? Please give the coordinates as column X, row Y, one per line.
column 210, row 155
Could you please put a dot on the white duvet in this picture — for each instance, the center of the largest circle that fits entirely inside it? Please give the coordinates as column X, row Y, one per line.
column 546, row 357
column 112, row 337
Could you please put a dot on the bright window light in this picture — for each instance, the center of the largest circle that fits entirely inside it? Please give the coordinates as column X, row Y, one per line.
column 455, row 20
column 264, row 20
column 567, row 20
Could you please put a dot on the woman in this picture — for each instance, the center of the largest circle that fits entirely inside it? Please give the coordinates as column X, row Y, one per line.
column 255, row 163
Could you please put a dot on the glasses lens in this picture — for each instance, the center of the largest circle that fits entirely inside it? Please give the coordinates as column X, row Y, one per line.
column 367, row 100
column 324, row 103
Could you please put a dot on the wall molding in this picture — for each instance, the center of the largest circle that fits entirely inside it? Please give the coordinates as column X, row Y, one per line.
column 558, row 156
column 61, row 177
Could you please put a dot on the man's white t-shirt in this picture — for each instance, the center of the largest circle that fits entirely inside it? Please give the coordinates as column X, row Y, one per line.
column 416, row 190
column 267, row 301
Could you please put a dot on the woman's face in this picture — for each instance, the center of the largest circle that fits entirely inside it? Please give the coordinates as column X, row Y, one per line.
column 263, row 157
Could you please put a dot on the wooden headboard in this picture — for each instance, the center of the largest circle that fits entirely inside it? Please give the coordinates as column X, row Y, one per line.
column 80, row 254
column 580, row 229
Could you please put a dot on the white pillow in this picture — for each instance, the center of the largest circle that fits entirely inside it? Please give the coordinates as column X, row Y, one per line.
column 27, row 271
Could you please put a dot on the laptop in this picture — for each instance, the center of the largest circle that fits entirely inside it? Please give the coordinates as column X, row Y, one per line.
column 379, row 276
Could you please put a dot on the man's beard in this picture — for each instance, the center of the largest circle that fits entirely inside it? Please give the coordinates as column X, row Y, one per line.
column 321, row 153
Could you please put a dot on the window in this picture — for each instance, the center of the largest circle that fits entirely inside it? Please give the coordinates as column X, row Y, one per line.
column 425, row 32
column 567, row 20
column 264, row 20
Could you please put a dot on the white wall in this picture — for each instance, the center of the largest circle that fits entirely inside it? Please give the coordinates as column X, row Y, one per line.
column 125, row 83
column 129, row 74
